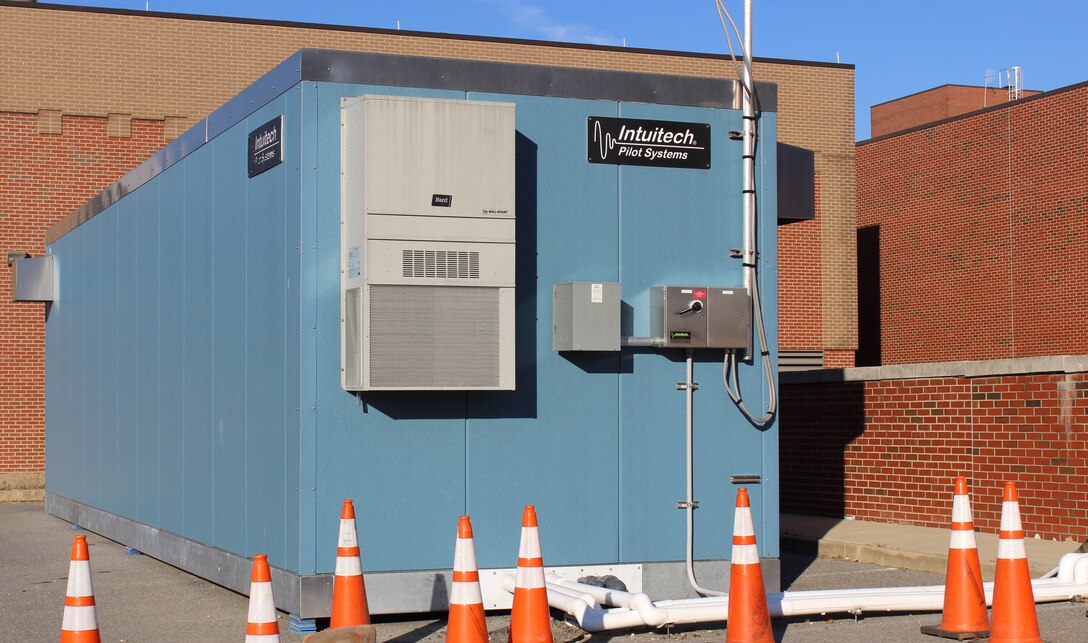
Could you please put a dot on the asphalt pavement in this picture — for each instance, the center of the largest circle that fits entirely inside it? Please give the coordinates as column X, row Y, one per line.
column 140, row 599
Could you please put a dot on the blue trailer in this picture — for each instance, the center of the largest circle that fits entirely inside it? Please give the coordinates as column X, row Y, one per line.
column 196, row 401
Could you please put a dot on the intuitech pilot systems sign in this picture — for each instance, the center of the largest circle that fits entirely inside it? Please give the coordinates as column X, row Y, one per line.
column 629, row 141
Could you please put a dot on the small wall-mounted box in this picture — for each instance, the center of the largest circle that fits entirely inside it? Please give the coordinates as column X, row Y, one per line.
column 34, row 280
column 586, row 316
column 700, row 316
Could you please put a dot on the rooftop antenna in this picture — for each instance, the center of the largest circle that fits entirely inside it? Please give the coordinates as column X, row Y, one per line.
column 398, row 25
column 987, row 79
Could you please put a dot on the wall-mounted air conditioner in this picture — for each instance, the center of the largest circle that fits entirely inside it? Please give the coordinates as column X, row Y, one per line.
column 427, row 244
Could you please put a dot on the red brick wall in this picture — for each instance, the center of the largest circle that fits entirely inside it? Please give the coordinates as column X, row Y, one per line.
column 889, row 450
column 934, row 105
column 44, row 177
column 982, row 225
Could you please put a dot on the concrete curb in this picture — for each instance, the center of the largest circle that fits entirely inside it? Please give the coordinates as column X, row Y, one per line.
column 873, row 554
column 22, row 487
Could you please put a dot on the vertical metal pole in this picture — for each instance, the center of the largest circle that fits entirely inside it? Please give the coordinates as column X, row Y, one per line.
column 748, row 163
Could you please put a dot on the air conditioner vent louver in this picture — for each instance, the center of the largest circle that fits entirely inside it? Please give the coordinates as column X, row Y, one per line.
column 441, row 264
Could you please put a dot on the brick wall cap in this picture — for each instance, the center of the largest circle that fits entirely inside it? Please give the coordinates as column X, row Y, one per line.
column 993, row 108
column 982, row 368
column 933, row 89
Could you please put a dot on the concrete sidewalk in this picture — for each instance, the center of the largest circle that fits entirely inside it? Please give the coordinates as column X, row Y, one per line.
column 903, row 546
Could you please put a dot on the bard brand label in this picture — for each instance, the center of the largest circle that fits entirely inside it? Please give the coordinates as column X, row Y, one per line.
column 629, row 141
column 441, row 200
column 266, row 146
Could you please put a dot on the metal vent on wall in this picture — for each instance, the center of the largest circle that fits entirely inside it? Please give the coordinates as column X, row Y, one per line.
column 434, row 336
column 800, row 360
column 441, row 264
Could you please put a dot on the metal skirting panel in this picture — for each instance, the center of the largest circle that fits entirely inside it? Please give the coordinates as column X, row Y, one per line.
column 670, row 580
column 221, row 567
column 387, row 592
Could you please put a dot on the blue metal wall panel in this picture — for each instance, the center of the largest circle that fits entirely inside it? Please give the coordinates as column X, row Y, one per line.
column 170, row 400
column 766, row 181
column 229, row 300
column 265, row 344
column 91, row 388
column 555, row 437
column 56, row 359
column 198, row 338
column 128, row 383
column 171, row 349
column 147, row 354
column 695, row 217
column 113, row 345
column 307, row 340
column 289, row 387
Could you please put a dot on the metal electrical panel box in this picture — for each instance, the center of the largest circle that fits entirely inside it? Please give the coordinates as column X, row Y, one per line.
column 586, row 316
column 34, row 280
column 700, row 316
column 427, row 244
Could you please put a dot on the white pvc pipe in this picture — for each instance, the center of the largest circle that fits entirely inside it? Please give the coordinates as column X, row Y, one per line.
column 584, row 603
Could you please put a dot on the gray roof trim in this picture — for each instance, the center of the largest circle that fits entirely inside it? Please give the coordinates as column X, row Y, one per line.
column 321, row 65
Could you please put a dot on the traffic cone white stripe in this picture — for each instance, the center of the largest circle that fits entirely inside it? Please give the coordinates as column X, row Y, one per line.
column 348, row 566
column 1011, row 549
column 745, row 555
column 530, row 577
column 466, row 594
column 962, row 539
column 79, row 578
column 348, row 537
column 1010, row 517
column 79, row 619
column 961, row 509
column 742, row 523
column 262, row 608
column 530, row 543
column 464, row 555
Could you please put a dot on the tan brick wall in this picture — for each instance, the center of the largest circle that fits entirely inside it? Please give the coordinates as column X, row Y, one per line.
column 134, row 70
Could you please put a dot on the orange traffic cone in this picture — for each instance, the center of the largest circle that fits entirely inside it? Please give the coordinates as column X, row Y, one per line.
column 261, row 626
column 1014, row 618
column 530, row 618
column 349, row 606
column 964, row 600
column 80, row 623
column 466, row 624
column 749, row 620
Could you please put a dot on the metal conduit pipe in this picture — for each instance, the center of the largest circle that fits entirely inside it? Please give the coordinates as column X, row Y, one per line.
column 637, row 610
column 652, row 342
column 689, row 503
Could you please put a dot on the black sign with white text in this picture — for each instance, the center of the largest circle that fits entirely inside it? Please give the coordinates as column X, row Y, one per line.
column 629, row 141
column 266, row 146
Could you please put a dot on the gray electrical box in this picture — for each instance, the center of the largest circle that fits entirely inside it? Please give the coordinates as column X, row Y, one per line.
column 700, row 316
column 586, row 316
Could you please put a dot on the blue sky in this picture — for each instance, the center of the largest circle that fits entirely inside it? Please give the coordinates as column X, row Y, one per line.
column 898, row 47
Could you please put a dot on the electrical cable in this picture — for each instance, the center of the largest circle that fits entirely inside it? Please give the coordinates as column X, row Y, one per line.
column 729, row 367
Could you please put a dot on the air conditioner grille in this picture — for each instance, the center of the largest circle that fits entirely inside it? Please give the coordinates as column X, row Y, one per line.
column 434, row 336
column 441, row 264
